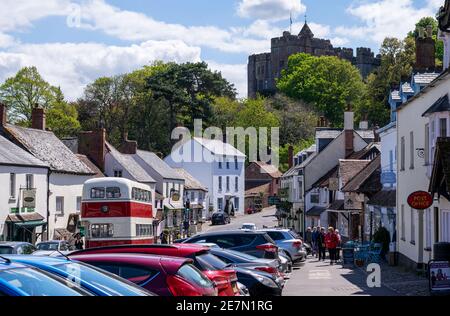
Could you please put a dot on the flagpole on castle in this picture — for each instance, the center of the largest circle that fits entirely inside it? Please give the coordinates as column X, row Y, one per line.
column 290, row 27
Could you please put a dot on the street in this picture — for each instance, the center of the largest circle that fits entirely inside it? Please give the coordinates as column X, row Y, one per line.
column 313, row 278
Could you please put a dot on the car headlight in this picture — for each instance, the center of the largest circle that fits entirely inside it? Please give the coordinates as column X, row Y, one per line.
column 267, row 281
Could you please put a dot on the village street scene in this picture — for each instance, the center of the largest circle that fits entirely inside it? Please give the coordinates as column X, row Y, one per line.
column 140, row 165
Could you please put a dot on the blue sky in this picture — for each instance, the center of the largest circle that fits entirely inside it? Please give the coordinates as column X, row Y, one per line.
column 72, row 42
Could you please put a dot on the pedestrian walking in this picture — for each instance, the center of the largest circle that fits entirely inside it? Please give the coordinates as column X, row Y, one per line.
column 331, row 242
column 321, row 244
column 314, row 236
column 339, row 245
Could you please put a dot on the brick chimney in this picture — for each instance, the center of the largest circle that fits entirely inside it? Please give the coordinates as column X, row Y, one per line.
column 3, row 114
column 291, row 156
column 38, row 118
column 128, row 147
column 92, row 144
column 349, row 121
column 425, row 50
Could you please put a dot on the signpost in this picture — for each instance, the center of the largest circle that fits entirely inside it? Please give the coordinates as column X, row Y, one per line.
column 420, row 200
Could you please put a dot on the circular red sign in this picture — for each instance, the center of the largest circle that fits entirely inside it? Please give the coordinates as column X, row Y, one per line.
column 420, row 200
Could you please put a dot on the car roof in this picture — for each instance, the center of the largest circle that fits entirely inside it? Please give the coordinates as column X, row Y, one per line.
column 6, row 264
column 13, row 243
column 231, row 232
column 180, row 250
column 52, row 241
column 38, row 259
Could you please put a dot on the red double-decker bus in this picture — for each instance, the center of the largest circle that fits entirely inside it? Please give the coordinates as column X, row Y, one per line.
column 117, row 211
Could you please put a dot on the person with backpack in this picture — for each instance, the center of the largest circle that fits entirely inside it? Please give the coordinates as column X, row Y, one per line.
column 331, row 242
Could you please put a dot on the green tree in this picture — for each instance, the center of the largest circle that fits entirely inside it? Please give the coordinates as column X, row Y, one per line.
column 24, row 91
column 328, row 83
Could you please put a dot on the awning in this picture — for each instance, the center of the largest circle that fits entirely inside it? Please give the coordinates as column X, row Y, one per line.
column 31, row 224
column 31, row 218
column 316, row 211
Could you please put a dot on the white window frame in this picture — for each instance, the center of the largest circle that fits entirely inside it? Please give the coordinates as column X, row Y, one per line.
column 78, row 206
column 445, row 226
column 59, row 201
column 402, row 154
column 12, row 185
column 403, row 223
column 413, row 226
column 411, row 150
column 236, row 184
column 220, row 184
column 29, row 180
column 428, row 228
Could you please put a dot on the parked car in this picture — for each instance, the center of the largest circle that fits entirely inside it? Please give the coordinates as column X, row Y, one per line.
column 220, row 218
column 292, row 246
column 245, row 261
column 89, row 278
column 258, row 282
column 255, row 243
column 53, row 248
column 165, row 276
column 17, row 279
column 226, row 280
column 248, row 226
column 16, row 248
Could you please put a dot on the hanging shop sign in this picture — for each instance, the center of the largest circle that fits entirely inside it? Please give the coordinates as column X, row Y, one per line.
column 420, row 200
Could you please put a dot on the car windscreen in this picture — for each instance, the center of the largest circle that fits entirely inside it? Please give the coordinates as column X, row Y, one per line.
column 194, row 276
column 103, row 280
column 210, row 262
column 35, row 283
column 6, row 250
column 47, row 246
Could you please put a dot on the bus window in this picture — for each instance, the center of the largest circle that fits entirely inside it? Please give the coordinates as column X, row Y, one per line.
column 102, row 230
column 97, row 193
column 113, row 193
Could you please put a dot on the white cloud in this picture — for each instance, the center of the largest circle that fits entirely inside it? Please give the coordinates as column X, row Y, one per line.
column 20, row 14
column 73, row 66
column 234, row 73
column 386, row 18
column 270, row 9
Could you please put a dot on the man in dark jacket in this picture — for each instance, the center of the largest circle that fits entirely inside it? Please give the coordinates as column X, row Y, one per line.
column 321, row 244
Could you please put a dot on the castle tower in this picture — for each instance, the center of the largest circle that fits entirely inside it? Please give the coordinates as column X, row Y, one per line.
column 306, row 32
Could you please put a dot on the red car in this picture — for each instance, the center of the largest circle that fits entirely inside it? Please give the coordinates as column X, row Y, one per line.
column 164, row 276
column 226, row 280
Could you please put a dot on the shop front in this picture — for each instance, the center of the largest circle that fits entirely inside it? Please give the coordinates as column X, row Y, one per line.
column 29, row 227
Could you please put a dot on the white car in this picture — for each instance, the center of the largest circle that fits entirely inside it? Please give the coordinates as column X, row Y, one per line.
column 248, row 226
column 53, row 248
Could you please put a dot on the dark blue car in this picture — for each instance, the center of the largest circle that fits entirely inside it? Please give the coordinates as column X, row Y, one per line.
column 96, row 281
column 17, row 279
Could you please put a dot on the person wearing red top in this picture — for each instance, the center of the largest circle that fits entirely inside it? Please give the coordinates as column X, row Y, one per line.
column 331, row 242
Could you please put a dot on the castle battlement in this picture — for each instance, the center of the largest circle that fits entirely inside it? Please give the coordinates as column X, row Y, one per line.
column 265, row 68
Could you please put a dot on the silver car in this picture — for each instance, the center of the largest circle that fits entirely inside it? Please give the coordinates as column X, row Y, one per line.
column 288, row 244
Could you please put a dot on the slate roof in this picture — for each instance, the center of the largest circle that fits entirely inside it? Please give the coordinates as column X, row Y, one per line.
column 395, row 95
column 158, row 165
column 441, row 105
column 356, row 183
column 316, row 211
column 425, row 78
column 269, row 169
column 265, row 188
column 384, row 198
column 190, row 182
column 219, row 148
column 11, row 154
column 334, row 133
column 48, row 148
column 91, row 165
column 406, row 88
column 306, row 31
column 337, row 205
column 131, row 165
column 350, row 168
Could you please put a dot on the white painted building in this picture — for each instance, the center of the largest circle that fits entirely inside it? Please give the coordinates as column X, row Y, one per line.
column 66, row 176
column 418, row 128
column 217, row 166
column 22, row 177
